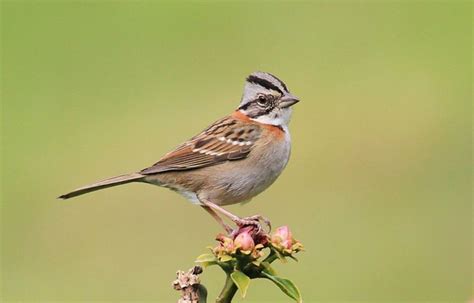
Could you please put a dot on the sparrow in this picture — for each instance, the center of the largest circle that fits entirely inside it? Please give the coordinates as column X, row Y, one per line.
column 231, row 161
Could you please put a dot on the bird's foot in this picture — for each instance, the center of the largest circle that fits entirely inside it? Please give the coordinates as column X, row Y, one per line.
column 253, row 221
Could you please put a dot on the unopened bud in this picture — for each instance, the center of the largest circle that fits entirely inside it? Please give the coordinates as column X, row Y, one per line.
column 283, row 233
column 244, row 241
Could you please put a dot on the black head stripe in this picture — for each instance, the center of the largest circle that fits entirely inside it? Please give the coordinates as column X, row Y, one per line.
column 281, row 82
column 264, row 83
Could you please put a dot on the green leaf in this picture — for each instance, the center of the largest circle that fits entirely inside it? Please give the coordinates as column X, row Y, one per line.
column 293, row 257
column 286, row 286
column 225, row 258
column 280, row 256
column 206, row 260
column 268, row 268
column 241, row 280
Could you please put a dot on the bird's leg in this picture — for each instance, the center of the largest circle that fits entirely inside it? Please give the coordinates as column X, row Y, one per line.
column 240, row 222
column 227, row 228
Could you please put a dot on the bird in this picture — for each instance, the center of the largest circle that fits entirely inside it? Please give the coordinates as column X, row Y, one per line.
column 231, row 161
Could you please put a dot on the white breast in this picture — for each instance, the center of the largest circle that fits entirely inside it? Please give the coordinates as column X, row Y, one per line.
column 189, row 195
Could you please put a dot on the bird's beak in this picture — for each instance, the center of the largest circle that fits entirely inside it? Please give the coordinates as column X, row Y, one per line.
column 288, row 100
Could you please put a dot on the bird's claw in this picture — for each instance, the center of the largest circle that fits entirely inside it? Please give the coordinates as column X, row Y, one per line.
column 251, row 221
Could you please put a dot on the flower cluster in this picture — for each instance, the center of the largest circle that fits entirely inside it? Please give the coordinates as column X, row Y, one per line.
column 248, row 253
column 250, row 243
column 246, row 242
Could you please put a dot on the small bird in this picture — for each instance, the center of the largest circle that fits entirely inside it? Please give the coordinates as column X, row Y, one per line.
column 231, row 161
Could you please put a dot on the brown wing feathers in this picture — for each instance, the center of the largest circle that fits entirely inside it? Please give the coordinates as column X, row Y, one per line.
column 227, row 139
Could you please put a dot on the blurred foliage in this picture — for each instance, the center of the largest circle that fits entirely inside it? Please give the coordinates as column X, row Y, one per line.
column 378, row 186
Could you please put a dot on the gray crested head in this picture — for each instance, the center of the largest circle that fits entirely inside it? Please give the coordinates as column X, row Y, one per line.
column 266, row 99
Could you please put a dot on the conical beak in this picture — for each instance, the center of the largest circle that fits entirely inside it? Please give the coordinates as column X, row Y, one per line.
column 288, row 100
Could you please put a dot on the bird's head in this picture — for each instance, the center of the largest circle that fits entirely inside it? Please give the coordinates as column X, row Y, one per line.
column 266, row 99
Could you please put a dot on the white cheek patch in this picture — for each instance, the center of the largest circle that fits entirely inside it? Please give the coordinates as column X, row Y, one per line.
column 283, row 118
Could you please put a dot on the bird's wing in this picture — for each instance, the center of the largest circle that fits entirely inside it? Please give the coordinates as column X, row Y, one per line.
column 226, row 140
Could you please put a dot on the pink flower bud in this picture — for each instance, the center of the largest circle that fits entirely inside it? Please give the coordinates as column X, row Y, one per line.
column 284, row 232
column 244, row 241
column 287, row 244
column 283, row 237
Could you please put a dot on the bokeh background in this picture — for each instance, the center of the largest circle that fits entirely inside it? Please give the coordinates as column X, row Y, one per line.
column 378, row 187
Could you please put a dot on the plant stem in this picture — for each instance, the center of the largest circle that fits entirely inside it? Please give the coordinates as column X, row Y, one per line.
column 228, row 291
column 271, row 257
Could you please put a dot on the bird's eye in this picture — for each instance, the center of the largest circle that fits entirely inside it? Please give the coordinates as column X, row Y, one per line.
column 263, row 100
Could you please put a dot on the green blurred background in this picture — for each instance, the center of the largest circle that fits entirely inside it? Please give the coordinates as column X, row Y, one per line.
column 378, row 187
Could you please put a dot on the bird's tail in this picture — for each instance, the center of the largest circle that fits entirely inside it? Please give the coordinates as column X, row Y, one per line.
column 103, row 184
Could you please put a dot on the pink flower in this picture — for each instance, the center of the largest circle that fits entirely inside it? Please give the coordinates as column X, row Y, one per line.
column 244, row 241
column 284, row 232
column 282, row 240
column 283, row 237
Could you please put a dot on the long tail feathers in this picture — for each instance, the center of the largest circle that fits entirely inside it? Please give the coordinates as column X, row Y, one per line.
column 103, row 184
